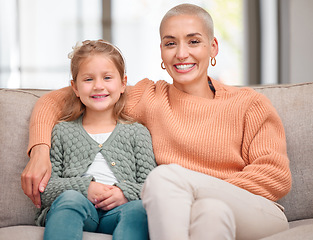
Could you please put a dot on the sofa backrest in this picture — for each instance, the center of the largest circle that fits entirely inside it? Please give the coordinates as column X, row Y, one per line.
column 15, row 110
column 293, row 103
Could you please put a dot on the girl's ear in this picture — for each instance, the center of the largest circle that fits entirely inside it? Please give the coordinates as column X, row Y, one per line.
column 124, row 83
column 74, row 88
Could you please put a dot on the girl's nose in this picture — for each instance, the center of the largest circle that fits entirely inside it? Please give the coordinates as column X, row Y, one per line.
column 98, row 84
column 182, row 52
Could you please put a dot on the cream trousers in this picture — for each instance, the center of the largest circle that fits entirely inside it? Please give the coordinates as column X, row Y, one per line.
column 183, row 204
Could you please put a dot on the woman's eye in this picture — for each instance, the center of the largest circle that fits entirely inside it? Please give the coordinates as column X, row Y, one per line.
column 169, row 44
column 194, row 41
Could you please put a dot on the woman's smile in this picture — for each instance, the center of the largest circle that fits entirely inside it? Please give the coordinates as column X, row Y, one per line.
column 186, row 50
column 184, row 67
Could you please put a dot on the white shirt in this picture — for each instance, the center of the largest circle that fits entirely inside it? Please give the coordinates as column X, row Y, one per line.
column 99, row 168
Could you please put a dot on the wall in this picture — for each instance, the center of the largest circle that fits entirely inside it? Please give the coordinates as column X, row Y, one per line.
column 301, row 41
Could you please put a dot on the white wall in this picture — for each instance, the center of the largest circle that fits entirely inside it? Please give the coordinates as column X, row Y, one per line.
column 301, row 41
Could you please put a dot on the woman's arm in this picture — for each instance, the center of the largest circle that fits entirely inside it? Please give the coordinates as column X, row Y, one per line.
column 36, row 173
column 267, row 172
column 138, row 97
column 45, row 115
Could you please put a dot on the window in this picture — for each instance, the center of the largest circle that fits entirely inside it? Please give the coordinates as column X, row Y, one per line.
column 135, row 29
column 37, row 35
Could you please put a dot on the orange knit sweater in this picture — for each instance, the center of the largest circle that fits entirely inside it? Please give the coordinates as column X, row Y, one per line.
column 237, row 136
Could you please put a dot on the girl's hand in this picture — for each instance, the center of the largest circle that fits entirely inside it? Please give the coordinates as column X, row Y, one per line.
column 111, row 199
column 95, row 191
column 37, row 173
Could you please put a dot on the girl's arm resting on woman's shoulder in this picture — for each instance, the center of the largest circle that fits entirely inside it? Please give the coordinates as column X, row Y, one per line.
column 267, row 172
column 45, row 114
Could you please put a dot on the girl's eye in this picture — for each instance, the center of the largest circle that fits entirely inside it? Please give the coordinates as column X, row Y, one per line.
column 107, row 78
column 88, row 79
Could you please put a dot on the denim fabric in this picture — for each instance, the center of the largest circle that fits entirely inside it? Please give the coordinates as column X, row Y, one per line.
column 72, row 213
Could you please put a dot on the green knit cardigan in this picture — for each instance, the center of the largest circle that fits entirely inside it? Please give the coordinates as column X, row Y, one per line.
column 128, row 151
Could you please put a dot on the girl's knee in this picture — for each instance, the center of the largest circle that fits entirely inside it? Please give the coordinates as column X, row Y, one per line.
column 132, row 221
column 134, row 210
column 136, row 207
column 70, row 198
column 69, row 195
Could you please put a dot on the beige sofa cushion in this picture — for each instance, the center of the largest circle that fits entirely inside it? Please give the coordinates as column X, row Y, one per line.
column 293, row 103
column 36, row 233
column 15, row 109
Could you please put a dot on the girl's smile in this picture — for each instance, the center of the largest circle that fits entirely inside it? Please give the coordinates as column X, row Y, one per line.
column 99, row 97
column 99, row 84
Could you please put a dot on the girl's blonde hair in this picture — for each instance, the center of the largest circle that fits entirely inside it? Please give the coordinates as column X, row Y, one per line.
column 73, row 107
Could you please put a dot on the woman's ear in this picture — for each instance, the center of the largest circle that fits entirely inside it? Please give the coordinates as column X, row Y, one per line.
column 74, row 87
column 214, row 47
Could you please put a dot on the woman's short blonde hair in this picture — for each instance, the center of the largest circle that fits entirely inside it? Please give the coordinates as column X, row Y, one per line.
column 193, row 10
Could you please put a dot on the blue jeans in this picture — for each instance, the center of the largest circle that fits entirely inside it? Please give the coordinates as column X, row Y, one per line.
column 72, row 213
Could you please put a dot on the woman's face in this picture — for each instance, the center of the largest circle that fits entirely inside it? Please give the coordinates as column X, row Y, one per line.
column 186, row 49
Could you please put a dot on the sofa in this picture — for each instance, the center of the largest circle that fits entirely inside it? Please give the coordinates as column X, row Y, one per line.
column 294, row 103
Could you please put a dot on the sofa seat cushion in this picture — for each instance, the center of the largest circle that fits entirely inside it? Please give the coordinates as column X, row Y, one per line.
column 26, row 232
column 303, row 232
column 294, row 224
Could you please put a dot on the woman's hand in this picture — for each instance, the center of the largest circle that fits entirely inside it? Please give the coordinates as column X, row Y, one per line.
column 110, row 199
column 37, row 173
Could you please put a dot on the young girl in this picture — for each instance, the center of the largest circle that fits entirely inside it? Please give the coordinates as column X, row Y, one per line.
column 99, row 160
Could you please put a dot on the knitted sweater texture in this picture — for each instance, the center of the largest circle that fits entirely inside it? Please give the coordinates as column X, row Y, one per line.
column 237, row 136
column 128, row 151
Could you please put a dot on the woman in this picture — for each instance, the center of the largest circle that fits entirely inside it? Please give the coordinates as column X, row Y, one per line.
column 222, row 149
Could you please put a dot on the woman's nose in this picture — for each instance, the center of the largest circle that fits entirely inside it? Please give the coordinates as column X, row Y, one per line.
column 182, row 52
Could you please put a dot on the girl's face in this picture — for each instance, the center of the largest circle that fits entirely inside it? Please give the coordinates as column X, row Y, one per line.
column 186, row 49
column 98, row 84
